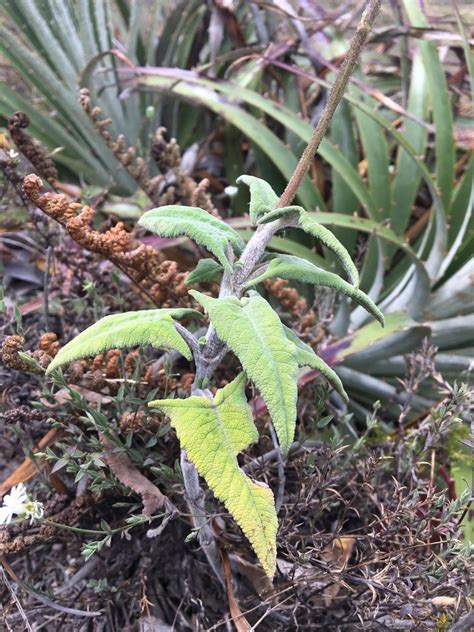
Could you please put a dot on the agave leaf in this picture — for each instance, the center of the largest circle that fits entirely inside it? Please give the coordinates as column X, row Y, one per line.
column 407, row 180
column 369, row 388
column 296, row 269
column 371, row 342
column 455, row 297
column 376, row 153
column 262, row 196
column 253, row 331
column 153, row 327
column 306, row 356
column 206, row 271
column 198, row 225
column 449, row 333
column 440, row 104
column 213, row 432
column 344, row 199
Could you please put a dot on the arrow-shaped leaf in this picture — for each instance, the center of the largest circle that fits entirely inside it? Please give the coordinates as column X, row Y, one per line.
column 262, row 197
column 294, row 268
column 153, row 327
column 325, row 236
column 253, row 331
column 213, row 432
column 207, row 270
column 307, row 357
column 198, row 225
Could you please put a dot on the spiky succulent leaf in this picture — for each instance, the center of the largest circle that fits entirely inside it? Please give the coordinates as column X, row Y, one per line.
column 297, row 269
column 153, row 327
column 262, row 197
column 213, row 432
column 306, row 356
column 206, row 271
column 198, row 225
column 253, row 331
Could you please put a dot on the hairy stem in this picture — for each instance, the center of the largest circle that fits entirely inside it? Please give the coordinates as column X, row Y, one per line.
column 195, row 500
column 335, row 95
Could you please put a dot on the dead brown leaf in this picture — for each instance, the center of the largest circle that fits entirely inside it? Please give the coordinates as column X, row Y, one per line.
column 238, row 619
column 129, row 475
column 337, row 554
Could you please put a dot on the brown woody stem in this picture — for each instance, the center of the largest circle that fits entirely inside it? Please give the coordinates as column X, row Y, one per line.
column 335, row 95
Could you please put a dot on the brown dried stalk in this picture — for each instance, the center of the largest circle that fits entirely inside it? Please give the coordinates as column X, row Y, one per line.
column 172, row 185
column 31, row 148
column 159, row 280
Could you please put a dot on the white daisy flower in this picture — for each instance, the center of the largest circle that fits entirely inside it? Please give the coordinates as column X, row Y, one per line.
column 17, row 503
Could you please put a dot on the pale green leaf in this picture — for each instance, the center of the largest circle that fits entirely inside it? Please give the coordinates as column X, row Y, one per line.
column 262, row 197
column 310, row 225
column 131, row 329
column 198, row 225
column 293, row 268
column 206, row 271
column 306, row 356
column 252, row 330
column 293, row 211
column 325, row 236
column 213, row 432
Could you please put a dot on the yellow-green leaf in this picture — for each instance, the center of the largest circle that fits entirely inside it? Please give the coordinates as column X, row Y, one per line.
column 131, row 329
column 252, row 330
column 213, row 432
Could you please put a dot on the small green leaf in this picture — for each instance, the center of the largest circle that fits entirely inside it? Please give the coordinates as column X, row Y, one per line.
column 285, row 211
column 198, row 225
column 294, row 268
column 262, row 197
column 306, row 356
column 131, row 329
column 206, row 271
column 325, row 236
column 254, row 333
column 213, row 432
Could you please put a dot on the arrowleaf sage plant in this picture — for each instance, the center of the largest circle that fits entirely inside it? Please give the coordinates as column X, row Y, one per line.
column 214, row 427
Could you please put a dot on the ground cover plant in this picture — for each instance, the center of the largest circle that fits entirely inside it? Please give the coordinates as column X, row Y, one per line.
column 370, row 498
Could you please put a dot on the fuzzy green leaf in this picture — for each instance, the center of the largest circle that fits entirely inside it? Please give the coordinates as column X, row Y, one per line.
column 325, row 236
column 213, row 432
column 198, row 225
column 131, row 329
column 262, row 197
column 294, row 268
column 285, row 211
column 306, row 356
column 206, row 271
column 252, row 330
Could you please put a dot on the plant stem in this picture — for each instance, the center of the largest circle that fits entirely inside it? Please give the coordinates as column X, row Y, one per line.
column 335, row 95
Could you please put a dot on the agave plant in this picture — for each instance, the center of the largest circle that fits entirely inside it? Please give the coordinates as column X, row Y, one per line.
column 419, row 272
column 58, row 47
